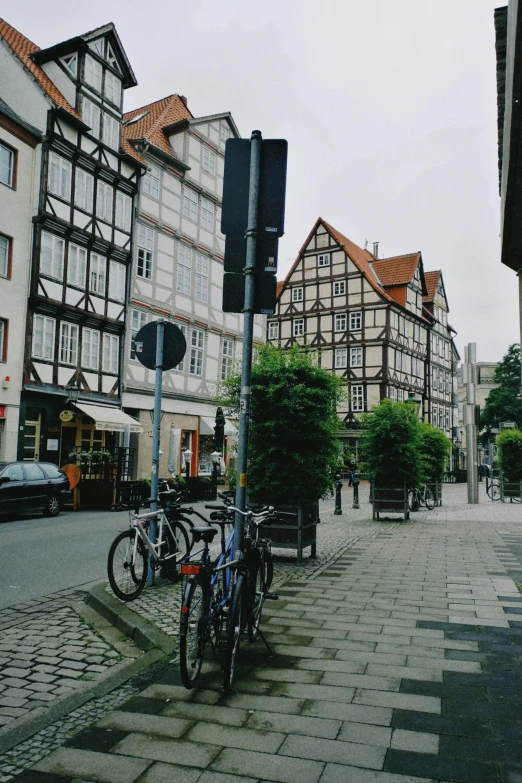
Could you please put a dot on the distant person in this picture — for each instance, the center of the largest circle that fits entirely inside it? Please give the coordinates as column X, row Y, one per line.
column 353, row 469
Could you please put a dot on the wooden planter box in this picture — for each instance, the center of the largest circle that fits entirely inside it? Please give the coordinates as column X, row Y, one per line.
column 512, row 490
column 393, row 500
column 297, row 532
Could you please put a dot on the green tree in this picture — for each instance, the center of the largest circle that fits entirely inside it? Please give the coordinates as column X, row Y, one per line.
column 293, row 449
column 434, row 447
column 504, row 402
column 390, row 444
column 509, row 444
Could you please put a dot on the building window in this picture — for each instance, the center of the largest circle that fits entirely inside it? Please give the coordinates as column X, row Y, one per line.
column 51, row 259
column 184, row 269
column 104, row 201
column 111, row 131
column 98, row 274
column 356, row 321
column 273, row 330
column 201, row 279
column 416, row 332
column 71, row 63
column 297, row 294
column 112, row 88
column 123, row 211
column 434, row 419
column 208, row 209
column 356, row 357
column 341, row 358
column 393, row 394
column 224, row 133
column 190, row 204
column 447, row 420
column 196, row 352
column 90, row 349
column 340, row 322
column 93, row 72
column 208, row 159
column 84, row 190
column 5, row 256
column 298, row 327
column 43, row 337
column 7, row 159
column 227, row 359
column 323, row 259
column 91, row 116
column 145, row 248
column 357, row 398
column 117, row 281
column 77, row 266
column 181, row 366
column 339, row 288
column 68, row 343
column 59, row 176
column 3, row 339
column 111, row 346
column 151, row 181
column 138, row 319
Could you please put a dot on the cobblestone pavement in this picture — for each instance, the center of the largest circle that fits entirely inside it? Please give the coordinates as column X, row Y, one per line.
column 382, row 648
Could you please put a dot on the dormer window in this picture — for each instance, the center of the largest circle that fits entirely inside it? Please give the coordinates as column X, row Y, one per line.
column 93, row 72
column 112, row 88
column 71, row 63
column 91, row 116
column 111, row 131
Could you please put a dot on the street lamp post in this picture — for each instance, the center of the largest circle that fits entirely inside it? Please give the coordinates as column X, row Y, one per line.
column 216, row 459
column 338, row 486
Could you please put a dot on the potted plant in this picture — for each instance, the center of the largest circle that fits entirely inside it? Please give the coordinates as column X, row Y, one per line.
column 390, row 454
column 509, row 444
column 434, row 448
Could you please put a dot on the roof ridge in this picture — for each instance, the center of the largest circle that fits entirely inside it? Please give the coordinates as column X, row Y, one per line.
column 158, row 123
column 149, row 105
column 400, row 255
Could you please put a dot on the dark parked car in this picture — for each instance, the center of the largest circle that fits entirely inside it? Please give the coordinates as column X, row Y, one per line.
column 33, row 486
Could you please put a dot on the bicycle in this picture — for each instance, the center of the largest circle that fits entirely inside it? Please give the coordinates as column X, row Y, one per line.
column 493, row 488
column 422, row 496
column 127, row 564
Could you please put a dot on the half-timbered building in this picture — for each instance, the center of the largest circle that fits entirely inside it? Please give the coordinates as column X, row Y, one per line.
column 81, row 239
column 178, row 276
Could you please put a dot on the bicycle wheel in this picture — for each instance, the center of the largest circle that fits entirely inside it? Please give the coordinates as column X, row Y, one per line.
column 236, row 623
column 127, row 574
column 258, row 588
column 176, row 548
column 429, row 500
column 192, row 633
column 494, row 491
column 413, row 500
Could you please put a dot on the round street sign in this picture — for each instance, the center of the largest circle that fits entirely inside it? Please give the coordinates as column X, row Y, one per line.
column 174, row 345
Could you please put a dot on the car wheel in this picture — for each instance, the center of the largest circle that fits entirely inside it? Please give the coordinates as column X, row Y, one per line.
column 52, row 509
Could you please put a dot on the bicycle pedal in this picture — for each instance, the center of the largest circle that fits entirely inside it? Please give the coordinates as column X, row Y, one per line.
column 271, row 597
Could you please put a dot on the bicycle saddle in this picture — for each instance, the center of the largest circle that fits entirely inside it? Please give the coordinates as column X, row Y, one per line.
column 204, row 533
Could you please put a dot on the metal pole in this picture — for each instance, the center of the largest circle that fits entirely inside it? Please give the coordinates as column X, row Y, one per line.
column 338, row 486
column 470, row 353
column 248, row 332
column 160, row 329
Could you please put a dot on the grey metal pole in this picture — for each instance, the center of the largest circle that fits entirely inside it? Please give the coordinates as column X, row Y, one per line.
column 470, row 354
column 156, row 439
column 248, row 332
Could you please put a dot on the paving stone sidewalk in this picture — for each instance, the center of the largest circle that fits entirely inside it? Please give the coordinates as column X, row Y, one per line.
column 399, row 662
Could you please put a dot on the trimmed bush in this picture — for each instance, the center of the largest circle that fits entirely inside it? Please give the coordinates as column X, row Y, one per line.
column 509, row 444
column 390, row 445
column 434, row 448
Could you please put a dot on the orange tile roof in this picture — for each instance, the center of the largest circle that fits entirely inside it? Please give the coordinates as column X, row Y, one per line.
column 23, row 48
column 159, row 115
column 432, row 280
column 397, row 270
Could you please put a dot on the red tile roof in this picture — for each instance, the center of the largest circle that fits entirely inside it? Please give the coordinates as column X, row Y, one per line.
column 432, row 280
column 397, row 270
column 158, row 115
column 23, row 48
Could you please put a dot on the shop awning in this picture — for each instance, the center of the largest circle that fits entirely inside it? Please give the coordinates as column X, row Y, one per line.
column 206, row 426
column 106, row 418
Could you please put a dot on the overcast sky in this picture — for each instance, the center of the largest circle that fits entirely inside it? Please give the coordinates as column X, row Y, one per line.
column 388, row 106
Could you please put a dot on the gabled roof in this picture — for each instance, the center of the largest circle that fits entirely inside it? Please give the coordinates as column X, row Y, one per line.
column 432, row 281
column 156, row 117
column 23, row 48
column 397, row 270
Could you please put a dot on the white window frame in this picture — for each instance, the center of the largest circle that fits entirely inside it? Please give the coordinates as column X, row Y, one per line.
column 90, row 349
column 112, row 88
column 7, row 164
column 184, row 273
column 224, row 133
column 77, row 266
column 93, row 73
column 145, row 252
column 197, row 346
column 91, row 115
column 111, row 353
column 298, row 327
column 138, row 319
column 208, row 159
column 357, row 398
column 111, row 131
column 339, row 287
column 208, row 213
column 117, row 279
column 340, row 321
column 151, row 181
column 52, row 255
column 84, row 190
column 297, row 294
column 123, row 211
column 44, row 329
column 356, row 357
column 356, row 321
column 181, row 366
column 104, row 201
column 273, row 330
column 341, row 358
column 71, row 63
column 227, row 358
column 393, row 394
column 68, row 348
column 59, row 176
column 323, row 259
column 98, row 274
column 5, row 253
column 190, row 204
column 4, row 323
column 201, row 278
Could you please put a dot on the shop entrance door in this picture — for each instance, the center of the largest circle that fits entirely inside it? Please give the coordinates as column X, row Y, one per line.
column 32, row 439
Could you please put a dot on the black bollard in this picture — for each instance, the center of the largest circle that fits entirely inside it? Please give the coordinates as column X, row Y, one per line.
column 338, row 487
column 355, row 482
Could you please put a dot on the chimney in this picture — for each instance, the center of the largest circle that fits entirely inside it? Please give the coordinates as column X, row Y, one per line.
column 183, row 100
column 376, row 249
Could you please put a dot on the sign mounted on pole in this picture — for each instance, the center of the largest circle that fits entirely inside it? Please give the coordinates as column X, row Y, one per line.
column 174, row 345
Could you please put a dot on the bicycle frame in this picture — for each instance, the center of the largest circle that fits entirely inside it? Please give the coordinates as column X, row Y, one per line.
column 140, row 522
